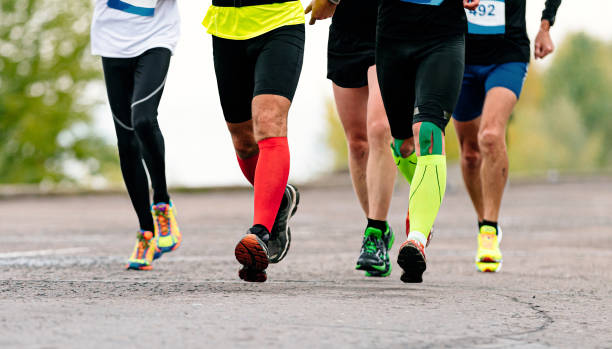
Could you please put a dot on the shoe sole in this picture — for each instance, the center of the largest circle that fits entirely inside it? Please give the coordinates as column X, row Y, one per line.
column 131, row 266
column 378, row 274
column 293, row 208
column 251, row 252
column 370, row 268
column 412, row 261
column 489, row 267
column 250, row 275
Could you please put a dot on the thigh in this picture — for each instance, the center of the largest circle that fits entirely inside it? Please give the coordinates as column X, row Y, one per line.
column 279, row 56
column 352, row 104
column 235, row 73
column 438, row 80
column 149, row 81
column 471, row 98
column 396, row 75
column 119, row 80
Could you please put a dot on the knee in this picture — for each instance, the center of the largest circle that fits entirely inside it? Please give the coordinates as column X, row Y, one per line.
column 491, row 140
column 379, row 133
column 470, row 154
column 270, row 120
column 245, row 149
column 144, row 125
column 357, row 144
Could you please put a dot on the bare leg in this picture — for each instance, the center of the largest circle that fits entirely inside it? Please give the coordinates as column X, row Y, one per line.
column 492, row 143
column 471, row 160
column 381, row 169
column 352, row 105
column 243, row 138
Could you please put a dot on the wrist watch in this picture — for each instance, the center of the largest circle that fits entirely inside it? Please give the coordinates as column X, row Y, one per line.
column 335, row 2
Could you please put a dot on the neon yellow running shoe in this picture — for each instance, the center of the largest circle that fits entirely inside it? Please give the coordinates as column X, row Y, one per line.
column 166, row 228
column 489, row 257
column 144, row 251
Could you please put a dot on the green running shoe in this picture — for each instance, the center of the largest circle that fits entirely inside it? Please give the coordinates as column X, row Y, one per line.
column 388, row 238
column 374, row 256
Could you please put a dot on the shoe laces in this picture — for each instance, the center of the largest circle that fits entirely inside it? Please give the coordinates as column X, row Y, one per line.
column 487, row 240
column 144, row 237
column 371, row 244
column 163, row 222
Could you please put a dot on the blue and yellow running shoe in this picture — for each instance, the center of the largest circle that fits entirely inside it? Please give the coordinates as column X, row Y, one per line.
column 144, row 251
column 489, row 256
column 167, row 232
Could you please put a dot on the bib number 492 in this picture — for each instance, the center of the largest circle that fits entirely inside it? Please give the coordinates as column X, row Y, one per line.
column 489, row 18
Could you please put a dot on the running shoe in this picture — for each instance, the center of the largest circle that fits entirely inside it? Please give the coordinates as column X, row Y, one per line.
column 251, row 275
column 252, row 251
column 166, row 228
column 144, row 251
column 489, row 257
column 388, row 239
column 411, row 258
column 373, row 251
column 280, row 236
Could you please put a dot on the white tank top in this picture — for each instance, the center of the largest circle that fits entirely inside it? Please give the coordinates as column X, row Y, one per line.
column 127, row 28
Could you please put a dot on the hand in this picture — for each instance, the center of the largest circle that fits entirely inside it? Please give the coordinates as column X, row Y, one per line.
column 321, row 9
column 543, row 43
column 471, row 4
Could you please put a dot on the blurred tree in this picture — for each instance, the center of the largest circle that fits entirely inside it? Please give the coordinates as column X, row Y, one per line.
column 46, row 71
column 581, row 75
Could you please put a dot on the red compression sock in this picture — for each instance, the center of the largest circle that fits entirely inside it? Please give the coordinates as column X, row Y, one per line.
column 271, row 179
column 248, row 167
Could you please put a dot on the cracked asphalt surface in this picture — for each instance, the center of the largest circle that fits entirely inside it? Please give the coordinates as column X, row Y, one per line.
column 62, row 283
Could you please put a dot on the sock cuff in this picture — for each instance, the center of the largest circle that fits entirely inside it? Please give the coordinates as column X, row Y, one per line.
column 273, row 142
column 418, row 236
column 250, row 158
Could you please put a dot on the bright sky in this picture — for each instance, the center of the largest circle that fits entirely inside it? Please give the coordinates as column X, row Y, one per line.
column 198, row 147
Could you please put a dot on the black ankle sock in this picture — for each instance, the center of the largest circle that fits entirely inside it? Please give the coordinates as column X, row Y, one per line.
column 380, row 225
column 489, row 223
column 480, row 225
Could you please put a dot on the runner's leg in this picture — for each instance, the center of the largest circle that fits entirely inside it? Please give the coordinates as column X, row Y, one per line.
column 471, row 161
column 381, row 168
column 118, row 75
column 352, row 105
column 149, row 82
column 498, row 106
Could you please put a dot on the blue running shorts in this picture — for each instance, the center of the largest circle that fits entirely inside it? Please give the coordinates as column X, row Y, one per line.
column 479, row 79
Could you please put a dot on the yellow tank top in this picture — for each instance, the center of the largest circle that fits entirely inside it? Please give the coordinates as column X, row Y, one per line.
column 241, row 23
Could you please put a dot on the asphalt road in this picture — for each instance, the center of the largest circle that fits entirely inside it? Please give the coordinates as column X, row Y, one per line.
column 62, row 283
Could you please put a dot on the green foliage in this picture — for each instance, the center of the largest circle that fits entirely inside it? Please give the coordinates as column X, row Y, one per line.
column 45, row 112
column 336, row 140
column 563, row 120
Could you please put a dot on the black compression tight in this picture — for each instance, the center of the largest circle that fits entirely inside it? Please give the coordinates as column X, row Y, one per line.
column 134, row 87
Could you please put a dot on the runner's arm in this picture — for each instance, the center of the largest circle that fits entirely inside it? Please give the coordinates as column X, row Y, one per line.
column 550, row 11
column 543, row 42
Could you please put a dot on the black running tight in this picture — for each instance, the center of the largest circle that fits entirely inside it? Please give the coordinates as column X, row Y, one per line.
column 134, row 87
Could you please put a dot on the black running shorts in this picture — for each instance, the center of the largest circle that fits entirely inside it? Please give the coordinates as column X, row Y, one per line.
column 349, row 56
column 419, row 80
column 267, row 64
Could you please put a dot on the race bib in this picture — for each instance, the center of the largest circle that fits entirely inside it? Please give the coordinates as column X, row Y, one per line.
column 489, row 18
column 137, row 7
column 425, row 2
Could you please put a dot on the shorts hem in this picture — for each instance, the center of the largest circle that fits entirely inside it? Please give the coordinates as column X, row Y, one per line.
column 273, row 92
